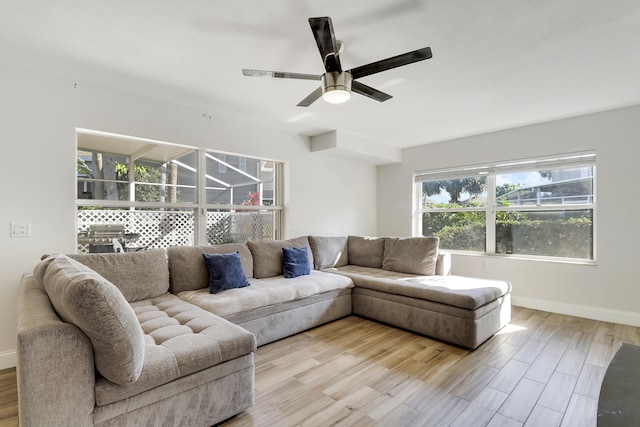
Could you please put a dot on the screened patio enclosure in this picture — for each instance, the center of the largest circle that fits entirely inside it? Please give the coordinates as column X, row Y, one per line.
column 148, row 194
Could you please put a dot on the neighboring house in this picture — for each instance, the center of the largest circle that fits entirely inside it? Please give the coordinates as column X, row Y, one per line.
column 561, row 189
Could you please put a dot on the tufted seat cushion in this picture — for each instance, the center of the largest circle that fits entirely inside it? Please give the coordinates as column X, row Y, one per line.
column 180, row 339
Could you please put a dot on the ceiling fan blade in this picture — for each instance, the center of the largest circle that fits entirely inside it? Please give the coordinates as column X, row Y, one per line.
column 279, row 74
column 322, row 29
column 311, row 98
column 369, row 92
column 393, row 62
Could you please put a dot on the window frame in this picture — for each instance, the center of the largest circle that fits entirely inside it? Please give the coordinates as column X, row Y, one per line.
column 200, row 206
column 491, row 208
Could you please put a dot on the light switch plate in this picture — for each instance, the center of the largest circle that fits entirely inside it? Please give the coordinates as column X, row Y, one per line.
column 20, row 229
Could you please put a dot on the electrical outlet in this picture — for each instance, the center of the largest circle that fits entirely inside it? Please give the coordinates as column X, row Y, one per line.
column 20, row 229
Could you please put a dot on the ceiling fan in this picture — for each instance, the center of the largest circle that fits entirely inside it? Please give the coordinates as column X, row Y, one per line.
column 337, row 84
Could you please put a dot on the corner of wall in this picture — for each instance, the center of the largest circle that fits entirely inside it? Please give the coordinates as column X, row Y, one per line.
column 8, row 359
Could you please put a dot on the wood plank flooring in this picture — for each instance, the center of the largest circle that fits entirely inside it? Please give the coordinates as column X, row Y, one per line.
column 543, row 369
column 8, row 398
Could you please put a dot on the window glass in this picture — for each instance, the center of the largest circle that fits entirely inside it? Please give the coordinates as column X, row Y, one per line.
column 545, row 187
column 178, row 178
column 148, row 195
column 459, row 230
column 133, row 229
column 458, row 192
column 105, row 176
column 561, row 233
column 235, row 226
column 251, row 185
column 454, row 214
column 100, row 176
column 537, row 208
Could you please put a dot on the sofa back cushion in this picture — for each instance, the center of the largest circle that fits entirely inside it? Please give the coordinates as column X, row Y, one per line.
column 267, row 255
column 414, row 255
column 138, row 275
column 366, row 251
column 187, row 270
column 329, row 252
column 86, row 299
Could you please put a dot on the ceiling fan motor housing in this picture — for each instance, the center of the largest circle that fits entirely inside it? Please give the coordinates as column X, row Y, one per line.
column 336, row 86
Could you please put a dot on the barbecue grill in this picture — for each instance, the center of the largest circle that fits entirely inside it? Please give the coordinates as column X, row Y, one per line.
column 103, row 238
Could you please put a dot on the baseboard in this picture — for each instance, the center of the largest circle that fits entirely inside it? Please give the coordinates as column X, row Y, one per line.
column 7, row 359
column 595, row 313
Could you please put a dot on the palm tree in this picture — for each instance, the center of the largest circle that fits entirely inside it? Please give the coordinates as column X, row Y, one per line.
column 455, row 187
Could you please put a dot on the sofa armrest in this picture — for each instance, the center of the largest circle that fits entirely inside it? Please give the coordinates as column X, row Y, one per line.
column 443, row 264
column 55, row 368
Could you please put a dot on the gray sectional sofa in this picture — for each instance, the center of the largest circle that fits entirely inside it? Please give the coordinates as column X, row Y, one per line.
column 138, row 339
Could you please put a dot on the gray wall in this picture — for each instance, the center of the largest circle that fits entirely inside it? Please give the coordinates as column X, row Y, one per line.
column 39, row 114
column 607, row 291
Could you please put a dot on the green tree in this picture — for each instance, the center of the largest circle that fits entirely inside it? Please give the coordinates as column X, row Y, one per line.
column 503, row 189
column 143, row 173
column 455, row 187
column 83, row 169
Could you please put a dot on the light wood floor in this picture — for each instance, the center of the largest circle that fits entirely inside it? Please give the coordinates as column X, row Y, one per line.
column 8, row 398
column 543, row 369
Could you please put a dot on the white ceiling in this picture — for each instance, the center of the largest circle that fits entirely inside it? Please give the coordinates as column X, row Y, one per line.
column 496, row 63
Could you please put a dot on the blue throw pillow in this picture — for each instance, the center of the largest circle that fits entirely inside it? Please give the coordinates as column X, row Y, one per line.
column 295, row 262
column 225, row 272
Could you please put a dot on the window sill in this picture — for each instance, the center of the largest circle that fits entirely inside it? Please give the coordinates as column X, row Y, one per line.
column 572, row 261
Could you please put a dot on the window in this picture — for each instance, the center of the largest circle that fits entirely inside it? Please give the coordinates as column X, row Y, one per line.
column 535, row 208
column 148, row 194
column 222, row 165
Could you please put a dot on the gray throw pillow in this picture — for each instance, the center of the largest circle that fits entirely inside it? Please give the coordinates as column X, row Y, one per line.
column 84, row 298
column 267, row 255
column 413, row 255
column 329, row 252
column 366, row 251
column 138, row 275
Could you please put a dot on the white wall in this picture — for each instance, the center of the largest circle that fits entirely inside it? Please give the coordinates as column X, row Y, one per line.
column 607, row 291
column 38, row 117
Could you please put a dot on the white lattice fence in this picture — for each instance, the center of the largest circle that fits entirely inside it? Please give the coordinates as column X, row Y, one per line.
column 161, row 229
column 252, row 225
column 225, row 227
column 157, row 229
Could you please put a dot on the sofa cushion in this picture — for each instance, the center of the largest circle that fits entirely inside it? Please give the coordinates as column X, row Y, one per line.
column 187, row 270
column 295, row 262
column 267, row 293
column 86, row 299
column 457, row 291
column 138, row 275
column 366, row 251
column 180, row 339
column 329, row 252
column 415, row 255
column 267, row 255
column 225, row 272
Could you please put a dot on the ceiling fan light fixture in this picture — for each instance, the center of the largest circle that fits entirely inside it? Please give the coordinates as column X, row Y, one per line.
column 336, row 87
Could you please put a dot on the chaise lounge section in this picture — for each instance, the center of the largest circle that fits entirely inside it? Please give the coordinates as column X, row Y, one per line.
column 406, row 282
